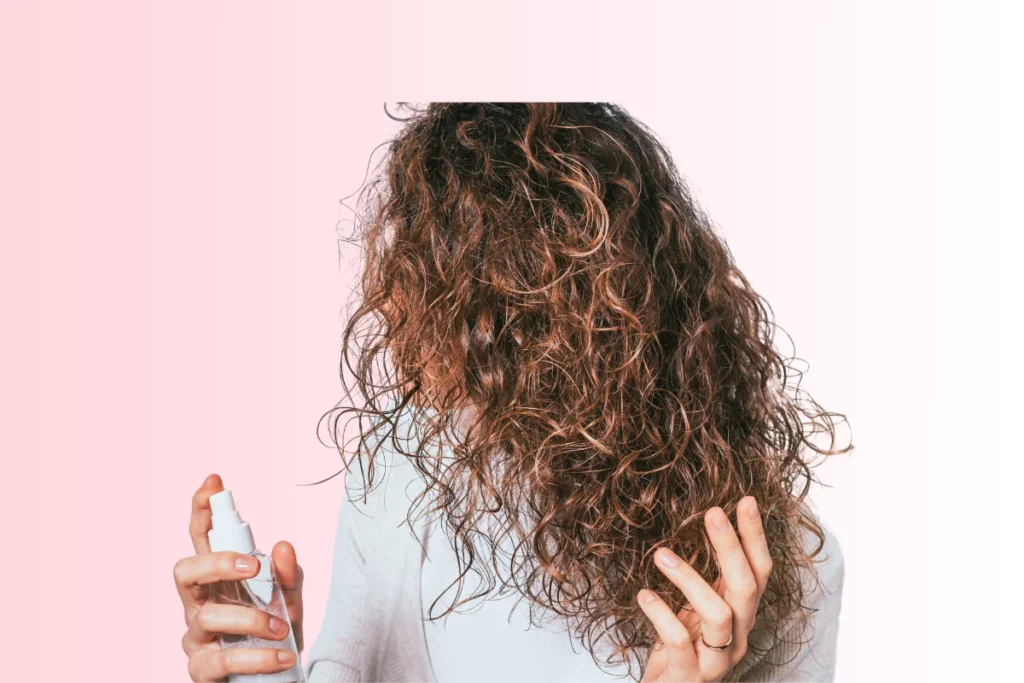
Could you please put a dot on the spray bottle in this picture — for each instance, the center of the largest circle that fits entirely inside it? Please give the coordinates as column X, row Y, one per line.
column 263, row 591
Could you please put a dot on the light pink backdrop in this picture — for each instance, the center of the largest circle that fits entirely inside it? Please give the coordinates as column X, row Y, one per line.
column 172, row 288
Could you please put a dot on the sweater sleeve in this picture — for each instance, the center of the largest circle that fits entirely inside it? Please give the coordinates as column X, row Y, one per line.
column 342, row 648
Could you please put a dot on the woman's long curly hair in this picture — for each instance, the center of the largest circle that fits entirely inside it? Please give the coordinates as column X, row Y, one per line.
column 545, row 264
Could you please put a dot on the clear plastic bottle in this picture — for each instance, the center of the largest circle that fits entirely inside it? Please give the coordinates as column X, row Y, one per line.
column 263, row 591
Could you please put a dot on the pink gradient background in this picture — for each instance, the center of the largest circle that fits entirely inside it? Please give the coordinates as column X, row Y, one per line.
column 172, row 289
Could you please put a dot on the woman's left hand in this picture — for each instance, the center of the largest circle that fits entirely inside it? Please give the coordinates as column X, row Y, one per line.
column 717, row 616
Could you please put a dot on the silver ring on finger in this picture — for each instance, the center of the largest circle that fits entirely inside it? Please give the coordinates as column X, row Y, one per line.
column 717, row 648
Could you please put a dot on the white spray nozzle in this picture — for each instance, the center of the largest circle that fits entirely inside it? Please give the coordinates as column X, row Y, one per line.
column 228, row 531
column 223, row 506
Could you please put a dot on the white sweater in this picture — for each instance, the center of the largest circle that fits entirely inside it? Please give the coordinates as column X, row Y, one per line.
column 382, row 584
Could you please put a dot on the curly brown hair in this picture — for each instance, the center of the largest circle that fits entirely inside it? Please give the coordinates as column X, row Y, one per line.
column 544, row 263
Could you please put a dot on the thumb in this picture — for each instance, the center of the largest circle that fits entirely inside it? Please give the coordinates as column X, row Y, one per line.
column 289, row 573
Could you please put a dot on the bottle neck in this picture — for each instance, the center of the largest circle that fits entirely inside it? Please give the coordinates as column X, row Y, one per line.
column 234, row 537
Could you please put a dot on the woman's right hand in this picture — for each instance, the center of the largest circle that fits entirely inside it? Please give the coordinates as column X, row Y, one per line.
column 206, row 619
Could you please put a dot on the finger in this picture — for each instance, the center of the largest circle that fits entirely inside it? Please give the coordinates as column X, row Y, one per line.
column 192, row 574
column 289, row 573
column 199, row 523
column 214, row 618
column 755, row 545
column 212, row 665
column 681, row 660
column 714, row 612
column 290, row 576
column 740, row 585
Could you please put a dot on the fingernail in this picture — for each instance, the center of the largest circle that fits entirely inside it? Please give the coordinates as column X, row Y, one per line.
column 752, row 509
column 246, row 564
column 667, row 557
column 719, row 520
column 647, row 596
column 278, row 626
column 285, row 656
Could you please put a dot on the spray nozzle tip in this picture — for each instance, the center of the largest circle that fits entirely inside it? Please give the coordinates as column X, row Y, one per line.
column 222, row 503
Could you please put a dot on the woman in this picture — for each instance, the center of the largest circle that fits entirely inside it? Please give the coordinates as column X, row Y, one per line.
column 574, row 395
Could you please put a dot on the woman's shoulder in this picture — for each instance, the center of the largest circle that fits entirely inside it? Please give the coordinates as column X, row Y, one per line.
column 378, row 503
column 828, row 569
column 821, row 578
column 803, row 647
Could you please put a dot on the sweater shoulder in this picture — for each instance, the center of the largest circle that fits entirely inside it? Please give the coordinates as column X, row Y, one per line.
column 382, row 503
column 802, row 647
column 829, row 567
